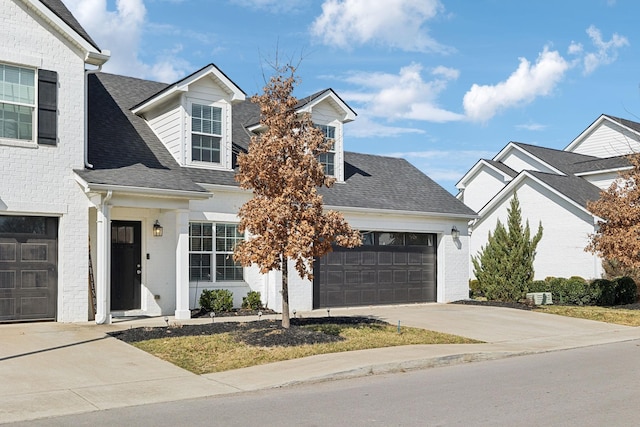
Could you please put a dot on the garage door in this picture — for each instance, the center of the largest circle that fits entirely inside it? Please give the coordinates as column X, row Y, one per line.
column 28, row 268
column 390, row 268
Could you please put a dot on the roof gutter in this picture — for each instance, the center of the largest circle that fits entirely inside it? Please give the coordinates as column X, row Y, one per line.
column 152, row 192
column 401, row 212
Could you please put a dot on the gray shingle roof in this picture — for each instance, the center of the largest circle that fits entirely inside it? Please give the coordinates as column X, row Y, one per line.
column 124, row 151
column 577, row 189
column 601, row 164
column 377, row 182
column 58, row 7
column 628, row 123
column 122, row 147
column 502, row 167
column 564, row 161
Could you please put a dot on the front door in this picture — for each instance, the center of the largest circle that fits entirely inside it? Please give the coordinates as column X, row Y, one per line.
column 126, row 265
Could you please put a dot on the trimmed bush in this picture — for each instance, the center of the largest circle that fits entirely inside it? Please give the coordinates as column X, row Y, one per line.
column 216, row 300
column 605, row 292
column 252, row 301
column 539, row 286
column 625, row 290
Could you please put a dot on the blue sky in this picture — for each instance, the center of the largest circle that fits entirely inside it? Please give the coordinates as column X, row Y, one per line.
column 440, row 83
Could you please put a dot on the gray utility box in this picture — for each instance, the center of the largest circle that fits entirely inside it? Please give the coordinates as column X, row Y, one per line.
column 540, row 298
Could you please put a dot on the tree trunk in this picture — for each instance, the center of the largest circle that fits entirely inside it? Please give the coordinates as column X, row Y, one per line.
column 285, row 294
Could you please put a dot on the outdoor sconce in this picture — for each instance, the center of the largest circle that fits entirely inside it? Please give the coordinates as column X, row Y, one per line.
column 157, row 229
column 455, row 233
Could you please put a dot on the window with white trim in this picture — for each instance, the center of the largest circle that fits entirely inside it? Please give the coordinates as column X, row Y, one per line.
column 206, row 133
column 328, row 159
column 17, row 102
column 211, row 249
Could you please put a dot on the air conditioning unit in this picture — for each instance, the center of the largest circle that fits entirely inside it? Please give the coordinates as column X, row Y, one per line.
column 540, row 298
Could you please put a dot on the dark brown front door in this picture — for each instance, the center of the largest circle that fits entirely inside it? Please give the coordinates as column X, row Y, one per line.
column 28, row 268
column 126, row 267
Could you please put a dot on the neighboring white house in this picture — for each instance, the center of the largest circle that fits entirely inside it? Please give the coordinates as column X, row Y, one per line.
column 43, row 212
column 553, row 188
column 149, row 196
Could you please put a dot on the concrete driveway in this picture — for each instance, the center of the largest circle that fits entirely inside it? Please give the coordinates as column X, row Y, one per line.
column 50, row 369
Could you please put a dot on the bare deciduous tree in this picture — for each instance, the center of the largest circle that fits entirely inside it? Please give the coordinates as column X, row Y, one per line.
column 285, row 218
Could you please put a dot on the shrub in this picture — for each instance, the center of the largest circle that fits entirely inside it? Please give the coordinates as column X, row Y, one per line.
column 252, row 301
column 625, row 290
column 216, row 300
column 572, row 291
column 604, row 291
column 539, row 286
column 474, row 289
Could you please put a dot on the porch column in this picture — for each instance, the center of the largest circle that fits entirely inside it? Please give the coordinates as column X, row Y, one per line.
column 182, row 265
column 103, row 261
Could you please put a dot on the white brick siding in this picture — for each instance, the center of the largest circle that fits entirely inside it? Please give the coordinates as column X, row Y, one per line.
column 40, row 180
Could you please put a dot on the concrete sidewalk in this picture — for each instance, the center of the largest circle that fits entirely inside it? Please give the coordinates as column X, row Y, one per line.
column 52, row 369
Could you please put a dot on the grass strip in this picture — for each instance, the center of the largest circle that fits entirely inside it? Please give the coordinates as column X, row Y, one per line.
column 618, row 316
column 222, row 352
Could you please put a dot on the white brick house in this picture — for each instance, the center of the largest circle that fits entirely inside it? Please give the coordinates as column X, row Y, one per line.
column 151, row 191
column 43, row 214
column 553, row 187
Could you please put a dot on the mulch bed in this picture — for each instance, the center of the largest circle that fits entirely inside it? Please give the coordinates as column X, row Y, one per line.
column 263, row 333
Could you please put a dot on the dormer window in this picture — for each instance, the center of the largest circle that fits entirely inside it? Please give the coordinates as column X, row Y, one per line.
column 328, row 159
column 206, row 133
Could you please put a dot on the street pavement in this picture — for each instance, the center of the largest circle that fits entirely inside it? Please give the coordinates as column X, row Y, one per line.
column 50, row 369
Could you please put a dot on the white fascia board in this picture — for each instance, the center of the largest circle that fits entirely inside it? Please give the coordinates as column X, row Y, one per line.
column 479, row 164
column 346, row 209
column 578, row 139
column 92, row 55
column 221, row 187
column 182, row 86
column 511, row 146
column 603, row 171
column 592, row 127
column 142, row 191
column 508, row 189
column 348, row 114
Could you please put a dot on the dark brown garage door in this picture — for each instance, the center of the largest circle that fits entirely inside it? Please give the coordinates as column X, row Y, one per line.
column 390, row 268
column 28, row 268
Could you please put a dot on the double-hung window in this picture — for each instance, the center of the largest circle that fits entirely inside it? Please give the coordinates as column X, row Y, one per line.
column 17, row 102
column 328, row 159
column 206, row 133
column 211, row 249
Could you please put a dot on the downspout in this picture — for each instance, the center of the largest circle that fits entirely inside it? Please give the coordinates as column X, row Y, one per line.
column 86, row 115
column 102, row 316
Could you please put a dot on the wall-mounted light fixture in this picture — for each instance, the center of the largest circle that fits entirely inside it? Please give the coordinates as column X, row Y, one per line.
column 157, row 229
column 455, row 233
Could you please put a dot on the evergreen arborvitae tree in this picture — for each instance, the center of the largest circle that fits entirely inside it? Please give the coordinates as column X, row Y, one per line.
column 504, row 266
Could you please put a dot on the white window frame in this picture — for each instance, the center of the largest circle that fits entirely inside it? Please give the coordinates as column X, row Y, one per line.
column 330, row 153
column 215, row 251
column 190, row 132
column 8, row 140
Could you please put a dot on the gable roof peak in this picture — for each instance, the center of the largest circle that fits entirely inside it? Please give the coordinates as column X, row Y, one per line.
column 208, row 71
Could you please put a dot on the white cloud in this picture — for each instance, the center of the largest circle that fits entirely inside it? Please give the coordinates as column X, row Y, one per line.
column 607, row 51
column 394, row 23
column 365, row 128
column 120, row 31
column 272, row 6
column 527, row 83
column 531, row 126
column 402, row 96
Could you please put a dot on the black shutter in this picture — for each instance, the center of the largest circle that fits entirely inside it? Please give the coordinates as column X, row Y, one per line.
column 47, row 107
